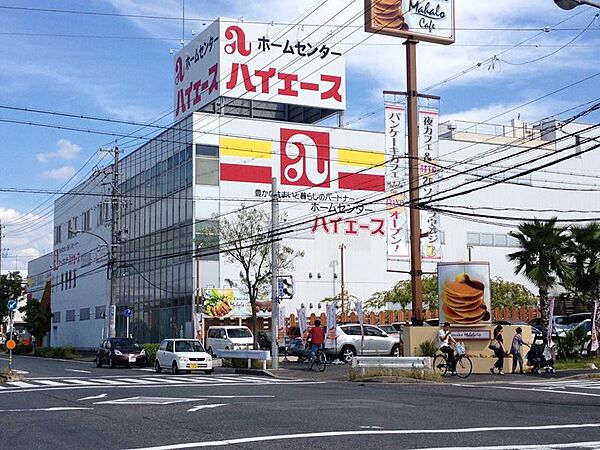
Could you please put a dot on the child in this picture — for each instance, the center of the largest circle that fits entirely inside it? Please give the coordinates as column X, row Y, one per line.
column 515, row 350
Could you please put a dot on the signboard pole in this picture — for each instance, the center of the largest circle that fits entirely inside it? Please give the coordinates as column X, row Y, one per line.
column 127, row 326
column 413, row 182
column 274, row 281
column 10, row 358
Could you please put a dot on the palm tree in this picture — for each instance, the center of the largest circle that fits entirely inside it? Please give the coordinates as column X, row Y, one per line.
column 585, row 257
column 542, row 259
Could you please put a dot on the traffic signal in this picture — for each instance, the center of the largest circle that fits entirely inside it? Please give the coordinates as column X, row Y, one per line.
column 286, row 286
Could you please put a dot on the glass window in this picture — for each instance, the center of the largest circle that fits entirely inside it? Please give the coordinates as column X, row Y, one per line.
column 473, row 238
column 207, row 171
column 99, row 313
column 84, row 314
column 70, row 315
column 372, row 331
column 207, row 150
column 487, row 239
column 188, row 346
column 163, row 345
column 500, row 240
column 56, row 317
column 170, row 346
column 511, row 241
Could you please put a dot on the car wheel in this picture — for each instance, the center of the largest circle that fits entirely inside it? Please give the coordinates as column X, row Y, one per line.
column 98, row 362
column 157, row 367
column 395, row 350
column 348, row 352
column 175, row 368
column 208, row 372
column 112, row 363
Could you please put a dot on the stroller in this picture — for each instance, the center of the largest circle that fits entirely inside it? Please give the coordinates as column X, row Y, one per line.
column 540, row 357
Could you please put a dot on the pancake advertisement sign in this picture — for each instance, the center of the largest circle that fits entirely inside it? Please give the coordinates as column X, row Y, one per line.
column 464, row 292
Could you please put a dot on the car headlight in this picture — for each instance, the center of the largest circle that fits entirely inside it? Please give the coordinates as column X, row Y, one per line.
column 118, row 352
column 143, row 352
column 183, row 359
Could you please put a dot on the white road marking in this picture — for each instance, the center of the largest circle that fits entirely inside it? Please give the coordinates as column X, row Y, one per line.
column 239, row 396
column 371, row 427
column 167, row 380
column 147, row 401
column 51, row 383
column 82, row 382
column 22, row 372
column 547, row 391
column 325, row 434
column 93, row 397
column 198, row 408
column 60, row 408
column 106, row 381
column 592, row 445
column 20, row 384
column 135, row 380
column 78, row 371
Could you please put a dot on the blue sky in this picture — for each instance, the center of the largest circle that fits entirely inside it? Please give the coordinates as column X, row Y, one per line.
column 120, row 67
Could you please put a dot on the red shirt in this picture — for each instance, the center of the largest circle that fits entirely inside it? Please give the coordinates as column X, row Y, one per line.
column 316, row 335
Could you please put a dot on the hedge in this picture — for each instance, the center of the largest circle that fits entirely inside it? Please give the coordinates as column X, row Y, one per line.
column 151, row 350
column 56, row 352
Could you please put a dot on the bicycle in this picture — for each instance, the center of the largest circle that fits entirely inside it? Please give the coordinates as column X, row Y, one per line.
column 320, row 360
column 463, row 367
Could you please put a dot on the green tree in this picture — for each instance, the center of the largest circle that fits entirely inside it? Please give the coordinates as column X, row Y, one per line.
column 11, row 287
column 509, row 294
column 584, row 253
column 542, row 259
column 349, row 304
column 37, row 318
column 245, row 240
column 430, row 293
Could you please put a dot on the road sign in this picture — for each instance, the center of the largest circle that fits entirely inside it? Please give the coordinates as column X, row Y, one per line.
column 128, row 313
column 10, row 344
column 12, row 305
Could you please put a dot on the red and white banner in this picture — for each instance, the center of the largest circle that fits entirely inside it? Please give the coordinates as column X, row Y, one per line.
column 302, row 323
column 262, row 62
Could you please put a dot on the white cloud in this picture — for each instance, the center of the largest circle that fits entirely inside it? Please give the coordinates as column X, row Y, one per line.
column 60, row 174
column 65, row 150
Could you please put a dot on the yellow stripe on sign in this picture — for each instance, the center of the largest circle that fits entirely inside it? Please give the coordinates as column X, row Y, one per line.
column 245, row 148
column 362, row 158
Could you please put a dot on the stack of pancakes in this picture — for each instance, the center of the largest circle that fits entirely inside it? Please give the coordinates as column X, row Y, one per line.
column 463, row 301
column 387, row 13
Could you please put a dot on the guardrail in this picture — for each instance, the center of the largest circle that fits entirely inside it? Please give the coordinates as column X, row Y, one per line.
column 392, row 362
column 257, row 355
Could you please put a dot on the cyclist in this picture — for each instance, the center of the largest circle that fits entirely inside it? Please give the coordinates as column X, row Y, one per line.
column 316, row 338
column 445, row 342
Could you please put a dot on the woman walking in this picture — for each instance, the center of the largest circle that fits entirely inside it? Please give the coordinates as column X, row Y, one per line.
column 498, row 351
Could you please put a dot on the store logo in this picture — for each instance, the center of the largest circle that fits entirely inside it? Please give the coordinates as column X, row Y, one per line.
column 305, row 158
column 239, row 43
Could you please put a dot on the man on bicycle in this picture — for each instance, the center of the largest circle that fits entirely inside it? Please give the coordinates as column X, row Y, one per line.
column 445, row 342
column 316, row 338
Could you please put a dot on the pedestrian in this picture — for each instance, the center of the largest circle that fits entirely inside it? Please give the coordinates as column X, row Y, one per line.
column 498, row 347
column 515, row 350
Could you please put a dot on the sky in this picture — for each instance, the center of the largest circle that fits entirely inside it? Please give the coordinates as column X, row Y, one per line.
column 99, row 58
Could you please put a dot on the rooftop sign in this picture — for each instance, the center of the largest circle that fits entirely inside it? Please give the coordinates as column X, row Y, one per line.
column 263, row 62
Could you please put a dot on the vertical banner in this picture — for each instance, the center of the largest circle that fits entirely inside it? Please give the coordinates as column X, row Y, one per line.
column 359, row 313
column 396, row 182
column 330, row 340
column 198, row 332
column 429, row 178
column 595, row 328
column 302, row 325
column 550, row 320
column 281, row 324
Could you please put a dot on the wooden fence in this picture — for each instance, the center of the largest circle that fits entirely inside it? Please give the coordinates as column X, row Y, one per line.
column 522, row 314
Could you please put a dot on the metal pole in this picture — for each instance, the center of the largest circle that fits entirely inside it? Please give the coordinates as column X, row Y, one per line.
column 10, row 357
column 127, row 326
column 413, row 182
column 469, row 248
column 115, row 227
column 274, row 271
column 197, row 302
column 343, row 293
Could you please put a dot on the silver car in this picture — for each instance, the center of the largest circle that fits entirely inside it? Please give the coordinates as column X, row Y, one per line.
column 375, row 343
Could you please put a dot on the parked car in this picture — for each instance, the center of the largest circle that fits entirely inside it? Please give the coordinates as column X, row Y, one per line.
column 229, row 338
column 297, row 347
column 182, row 354
column 577, row 318
column 560, row 325
column 264, row 341
column 509, row 322
column 376, row 342
column 120, row 351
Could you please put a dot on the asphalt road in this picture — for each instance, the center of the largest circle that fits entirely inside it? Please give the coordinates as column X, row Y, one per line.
column 64, row 405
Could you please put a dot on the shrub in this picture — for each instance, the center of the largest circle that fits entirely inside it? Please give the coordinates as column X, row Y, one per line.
column 21, row 349
column 151, row 350
column 427, row 348
column 573, row 341
column 56, row 352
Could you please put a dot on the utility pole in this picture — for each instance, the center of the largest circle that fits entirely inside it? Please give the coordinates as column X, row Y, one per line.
column 413, row 182
column 198, row 309
column 274, row 272
column 343, row 292
column 115, row 237
column 3, row 251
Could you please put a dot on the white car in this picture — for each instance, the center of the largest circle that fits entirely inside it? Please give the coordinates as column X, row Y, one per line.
column 182, row 354
column 229, row 338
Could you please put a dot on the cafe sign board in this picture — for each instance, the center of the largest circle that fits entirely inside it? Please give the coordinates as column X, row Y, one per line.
column 429, row 21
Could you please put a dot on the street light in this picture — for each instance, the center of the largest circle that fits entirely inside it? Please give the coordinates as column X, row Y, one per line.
column 110, row 274
column 570, row 4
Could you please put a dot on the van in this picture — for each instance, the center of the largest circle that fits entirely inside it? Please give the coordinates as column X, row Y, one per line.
column 229, row 338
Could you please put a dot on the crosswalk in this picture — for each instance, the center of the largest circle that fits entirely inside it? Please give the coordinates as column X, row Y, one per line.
column 573, row 383
column 115, row 381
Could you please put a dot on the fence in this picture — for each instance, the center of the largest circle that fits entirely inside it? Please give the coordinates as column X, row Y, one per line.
column 522, row 314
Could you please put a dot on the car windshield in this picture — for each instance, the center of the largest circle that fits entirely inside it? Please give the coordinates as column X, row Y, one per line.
column 239, row 333
column 124, row 343
column 188, row 346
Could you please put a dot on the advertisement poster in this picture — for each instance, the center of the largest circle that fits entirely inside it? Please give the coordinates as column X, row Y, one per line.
column 302, row 325
column 330, row 335
column 198, row 332
column 281, row 324
column 225, row 303
column 464, row 292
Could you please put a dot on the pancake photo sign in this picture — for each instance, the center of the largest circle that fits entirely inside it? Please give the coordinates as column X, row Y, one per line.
column 464, row 292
